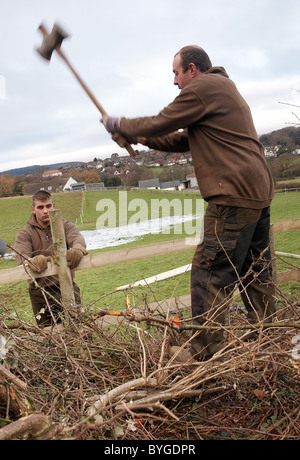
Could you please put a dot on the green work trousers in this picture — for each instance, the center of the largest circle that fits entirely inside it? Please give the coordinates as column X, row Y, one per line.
column 235, row 251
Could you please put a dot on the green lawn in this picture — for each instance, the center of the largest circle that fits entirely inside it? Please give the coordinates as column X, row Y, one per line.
column 16, row 211
column 296, row 180
column 98, row 282
column 123, row 207
column 285, row 206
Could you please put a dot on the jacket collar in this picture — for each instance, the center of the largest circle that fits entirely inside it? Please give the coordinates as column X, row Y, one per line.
column 32, row 221
column 217, row 70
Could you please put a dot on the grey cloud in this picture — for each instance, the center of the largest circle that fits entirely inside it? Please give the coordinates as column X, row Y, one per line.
column 124, row 51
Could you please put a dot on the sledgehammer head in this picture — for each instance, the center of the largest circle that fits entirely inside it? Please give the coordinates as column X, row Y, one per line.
column 51, row 41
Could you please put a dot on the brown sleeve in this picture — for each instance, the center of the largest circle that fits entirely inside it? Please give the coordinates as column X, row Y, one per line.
column 176, row 142
column 23, row 245
column 186, row 110
column 73, row 235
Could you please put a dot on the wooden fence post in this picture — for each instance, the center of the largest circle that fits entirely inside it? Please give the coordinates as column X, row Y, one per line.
column 60, row 258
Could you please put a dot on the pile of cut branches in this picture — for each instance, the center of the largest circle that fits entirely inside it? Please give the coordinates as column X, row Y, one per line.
column 81, row 380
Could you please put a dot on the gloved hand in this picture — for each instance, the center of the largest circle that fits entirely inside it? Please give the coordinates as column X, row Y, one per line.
column 141, row 140
column 75, row 255
column 112, row 124
column 121, row 140
column 38, row 263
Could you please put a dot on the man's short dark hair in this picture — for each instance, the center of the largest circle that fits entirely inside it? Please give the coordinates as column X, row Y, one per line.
column 194, row 55
column 41, row 195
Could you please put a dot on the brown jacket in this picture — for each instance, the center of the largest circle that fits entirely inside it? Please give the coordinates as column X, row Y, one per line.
column 216, row 124
column 34, row 240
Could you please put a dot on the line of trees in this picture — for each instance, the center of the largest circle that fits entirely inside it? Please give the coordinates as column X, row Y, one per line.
column 10, row 186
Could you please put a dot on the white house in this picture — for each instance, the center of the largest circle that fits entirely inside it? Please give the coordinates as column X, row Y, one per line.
column 52, row 173
column 67, row 186
column 193, row 180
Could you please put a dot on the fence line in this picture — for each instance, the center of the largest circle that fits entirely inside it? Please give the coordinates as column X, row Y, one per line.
column 101, row 259
column 287, row 189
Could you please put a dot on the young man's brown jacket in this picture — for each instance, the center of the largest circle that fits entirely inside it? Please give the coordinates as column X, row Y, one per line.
column 34, row 240
column 217, row 127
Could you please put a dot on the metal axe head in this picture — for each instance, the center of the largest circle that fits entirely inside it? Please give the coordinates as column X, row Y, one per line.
column 51, row 41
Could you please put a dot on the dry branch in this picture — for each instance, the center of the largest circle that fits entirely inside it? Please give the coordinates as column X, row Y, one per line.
column 249, row 389
column 14, row 401
column 195, row 327
column 12, row 378
column 116, row 393
column 34, row 426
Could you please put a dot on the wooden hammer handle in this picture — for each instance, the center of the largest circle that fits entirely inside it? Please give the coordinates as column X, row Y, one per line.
column 122, row 139
column 85, row 87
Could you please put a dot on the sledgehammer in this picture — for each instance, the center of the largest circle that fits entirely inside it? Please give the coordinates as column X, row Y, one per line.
column 53, row 42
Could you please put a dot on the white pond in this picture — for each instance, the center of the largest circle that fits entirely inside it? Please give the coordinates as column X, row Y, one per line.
column 108, row 237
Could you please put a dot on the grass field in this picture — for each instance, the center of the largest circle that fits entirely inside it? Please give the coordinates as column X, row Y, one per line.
column 97, row 283
column 16, row 211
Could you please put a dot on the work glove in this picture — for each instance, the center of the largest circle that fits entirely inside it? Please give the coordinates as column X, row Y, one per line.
column 75, row 255
column 38, row 263
column 112, row 124
column 122, row 140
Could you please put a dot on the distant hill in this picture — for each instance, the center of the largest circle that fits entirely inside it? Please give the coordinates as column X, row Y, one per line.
column 288, row 138
column 37, row 168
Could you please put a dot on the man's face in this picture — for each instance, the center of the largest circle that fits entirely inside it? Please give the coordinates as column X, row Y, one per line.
column 41, row 210
column 181, row 78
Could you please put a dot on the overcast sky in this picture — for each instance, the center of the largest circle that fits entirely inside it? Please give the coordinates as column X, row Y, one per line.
column 123, row 50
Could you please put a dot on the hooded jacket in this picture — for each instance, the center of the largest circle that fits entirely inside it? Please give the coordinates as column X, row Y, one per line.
column 211, row 119
column 34, row 240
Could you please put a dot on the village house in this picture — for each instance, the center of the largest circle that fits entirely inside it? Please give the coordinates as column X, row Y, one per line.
column 51, row 185
column 56, row 185
column 52, row 173
column 190, row 182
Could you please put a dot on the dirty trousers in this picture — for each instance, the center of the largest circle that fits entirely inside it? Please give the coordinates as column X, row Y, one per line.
column 48, row 312
column 235, row 250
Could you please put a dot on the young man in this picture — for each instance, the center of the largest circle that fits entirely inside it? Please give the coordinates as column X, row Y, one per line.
column 34, row 242
column 211, row 119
